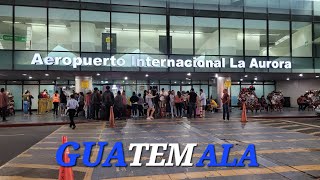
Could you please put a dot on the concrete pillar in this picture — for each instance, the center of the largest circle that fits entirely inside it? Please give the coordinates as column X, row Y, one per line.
column 221, row 86
column 83, row 83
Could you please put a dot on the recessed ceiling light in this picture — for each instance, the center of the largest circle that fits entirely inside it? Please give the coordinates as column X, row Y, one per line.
column 288, row 79
column 245, row 76
column 58, row 77
column 147, row 75
column 255, row 78
column 189, row 74
column 125, row 78
column 241, row 80
column 301, row 75
column 254, row 82
column 317, row 76
column 47, row 75
column 216, row 75
column 98, row 74
column 30, row 77
column 24, row 74
column 106, row 82
column 175, row 82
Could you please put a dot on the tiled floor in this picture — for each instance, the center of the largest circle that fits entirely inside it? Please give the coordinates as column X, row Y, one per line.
column 282, row 153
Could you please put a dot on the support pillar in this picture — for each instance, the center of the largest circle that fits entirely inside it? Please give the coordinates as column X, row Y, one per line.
column 83, row 83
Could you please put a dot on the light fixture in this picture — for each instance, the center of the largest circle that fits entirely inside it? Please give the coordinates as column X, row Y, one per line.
column 106, row 82
column 175, row 82
column 301, row 75
column 58, row 25
column 189, row 74
column 317, row 76
column 47, row 75
column 58, row 77
column 245, row 76
column 101, row 81
column 147, row 75
column 10, row 22
column 255, row 78
column 241, row 80
column 216, row 75
column 114, row 87
column 238, row 82
column 254, row 82
column 125, row 78
column 24, row 74
column 36, row 24
column 288, row 79
column 30, row 77
column 98, row 74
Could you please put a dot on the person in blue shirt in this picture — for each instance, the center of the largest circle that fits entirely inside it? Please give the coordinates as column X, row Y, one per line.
column 72, row 104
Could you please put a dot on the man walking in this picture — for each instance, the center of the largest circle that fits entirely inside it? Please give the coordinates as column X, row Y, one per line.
column 108, row 101
column 3, row 104
column 72, row 104
column 225, row 101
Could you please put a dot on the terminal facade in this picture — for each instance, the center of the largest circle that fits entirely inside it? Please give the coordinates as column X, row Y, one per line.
column 233, row 32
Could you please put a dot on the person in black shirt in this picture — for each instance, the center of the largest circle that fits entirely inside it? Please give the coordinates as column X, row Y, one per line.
column 134, row 101
column 192, row 98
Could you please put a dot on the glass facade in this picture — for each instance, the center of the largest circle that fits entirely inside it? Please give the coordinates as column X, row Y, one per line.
column 271, row 29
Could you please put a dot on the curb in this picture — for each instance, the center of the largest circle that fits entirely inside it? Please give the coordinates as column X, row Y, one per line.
column 38, row 124
column 284, row 117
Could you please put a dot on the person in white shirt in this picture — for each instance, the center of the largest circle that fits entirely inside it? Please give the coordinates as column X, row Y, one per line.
column 203, row 101
column 172, row 105
column 72, row 104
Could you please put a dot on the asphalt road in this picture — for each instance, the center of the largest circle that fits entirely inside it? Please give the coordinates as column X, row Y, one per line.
column 14, row 141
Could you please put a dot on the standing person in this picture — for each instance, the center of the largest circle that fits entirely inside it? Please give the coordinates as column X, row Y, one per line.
column 26, row 102
column 178, row 99
column 56, row 101
column 95, row 102
column 225, row 101
column 140, row 105
column 172, row 104
column 149, row 101
column 134, row 102
column 81, row 103
column 125, row 103
column 63, row 103
column 3, row 104
column 203, row 101
column 108, row 101
column 192, row 98
column 87, row 103
column 30, row 103
column 72, row 104
column 118, row 106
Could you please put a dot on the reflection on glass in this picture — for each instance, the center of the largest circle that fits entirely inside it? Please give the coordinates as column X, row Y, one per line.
column 279, row 6
column 95, row 31
column 301, row 7
column 153, row 34
column 255, row 38
column 181, row 31
column 316, row 40
column 231, row 37
column 279, row 38
column 31, row 28
column 6, row 27
column 301, row 39
column 63, row 30
column 206, row 4
column 257, row 6
column 125, row 32
column 206, row 36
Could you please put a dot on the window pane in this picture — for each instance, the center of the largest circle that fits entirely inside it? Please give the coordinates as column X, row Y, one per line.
column 95, row 31
column 16, row 91
column 181, row 31
column 183, row 4
column 231, row 35
column 206, row 36
column 31, row 31
column 317, row 65
column 302, row 65
column 301, row 39
column 279, row 38
column 235, row 90
column 126, row 2
column 257, row 6
column 6, row 60
column 316, row 40
column 279, row 6
column 6, row 27
column 125, row 32
column 153, row 34
column 316, row 8
column 301, row 7
column 268, row 89
column 231, row 5
column 63, row 30
column 153, row 3
column 256, row 37
column 97, row 1
column 206, row 4
column 22, row 60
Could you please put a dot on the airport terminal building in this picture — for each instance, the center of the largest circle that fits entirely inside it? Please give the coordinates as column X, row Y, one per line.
column 171, row 44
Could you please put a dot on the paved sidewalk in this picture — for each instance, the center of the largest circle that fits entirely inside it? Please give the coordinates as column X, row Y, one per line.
column 282, row 153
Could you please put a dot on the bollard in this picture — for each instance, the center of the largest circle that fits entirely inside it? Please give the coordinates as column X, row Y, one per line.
column 65, row 173
column 111, row 118
column 244, row 113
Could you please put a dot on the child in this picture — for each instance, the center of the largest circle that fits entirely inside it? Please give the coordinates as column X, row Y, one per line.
column 72, row 104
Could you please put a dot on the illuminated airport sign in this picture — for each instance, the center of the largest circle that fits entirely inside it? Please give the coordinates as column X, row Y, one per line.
column 195, row 62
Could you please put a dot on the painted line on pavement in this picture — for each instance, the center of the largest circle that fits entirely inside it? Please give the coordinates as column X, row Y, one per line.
column 280, row 140
column 288, row 126
column 302, row 129
column 22, row 178
column 310, row 125
column 42, row 166
column 9, row 135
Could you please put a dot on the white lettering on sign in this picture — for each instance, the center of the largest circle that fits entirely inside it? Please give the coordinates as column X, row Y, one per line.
column 195, row 62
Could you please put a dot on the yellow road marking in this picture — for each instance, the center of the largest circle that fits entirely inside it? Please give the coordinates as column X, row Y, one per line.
column 228, row 173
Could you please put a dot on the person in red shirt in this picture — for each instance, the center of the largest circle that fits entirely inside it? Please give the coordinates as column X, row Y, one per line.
column 225, row 101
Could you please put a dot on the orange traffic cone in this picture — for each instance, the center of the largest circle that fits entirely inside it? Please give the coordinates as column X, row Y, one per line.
column 66, row 173
column 244, row 113
column 111, row 118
